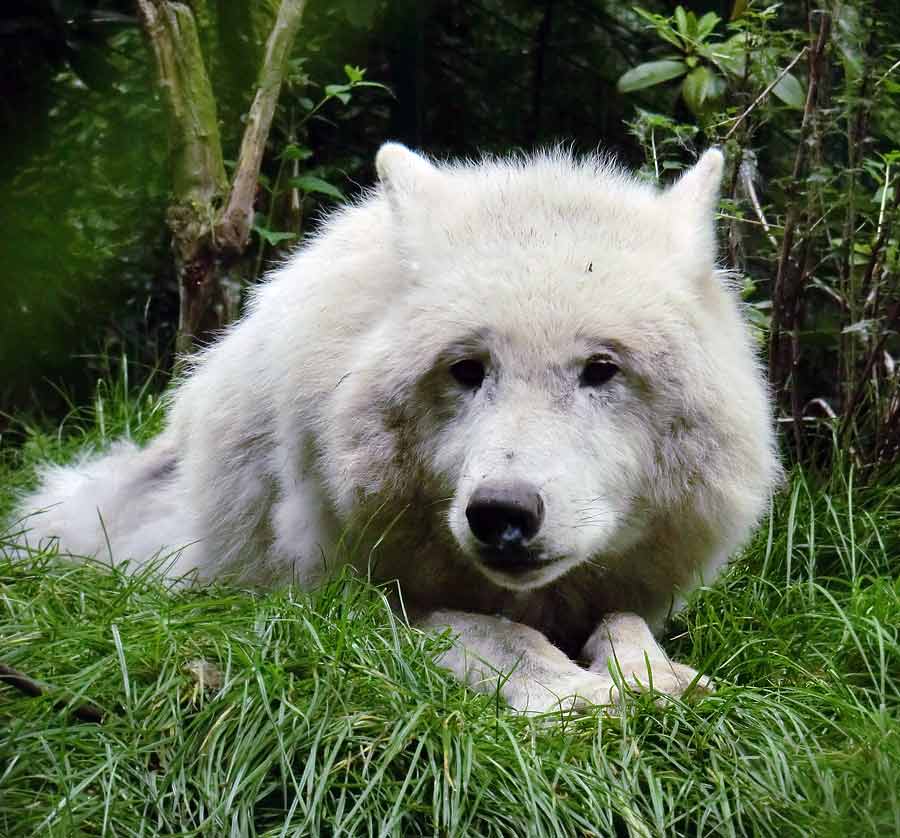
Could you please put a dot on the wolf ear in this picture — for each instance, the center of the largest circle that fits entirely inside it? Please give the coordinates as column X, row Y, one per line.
column 697, row 191
column 691, row 204
column 404, row 174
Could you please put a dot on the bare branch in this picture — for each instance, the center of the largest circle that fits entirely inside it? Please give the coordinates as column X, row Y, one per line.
column 782, row 297
column 34, row 689
column 746, row 175
column 233, row 229
column 766, row 92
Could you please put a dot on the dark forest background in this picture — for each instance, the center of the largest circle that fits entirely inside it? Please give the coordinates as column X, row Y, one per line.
column 804, row 98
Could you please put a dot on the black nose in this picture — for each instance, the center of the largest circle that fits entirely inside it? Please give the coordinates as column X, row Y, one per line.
column 505, row 516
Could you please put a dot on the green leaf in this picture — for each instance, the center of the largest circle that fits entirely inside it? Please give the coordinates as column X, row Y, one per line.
column 311, row 183
column 651, row 73
column 354, row 74
column 882, row 194
column 377, row 84
column 791, row 92
column 292, row 151
column 849, row 34
column 700, row 87
column 681, row 21
column 729, row 56
column 670, row 37
column 663, row 27
column 706, row 24
column 651, row 17
column 339, row 91
column 272, row 237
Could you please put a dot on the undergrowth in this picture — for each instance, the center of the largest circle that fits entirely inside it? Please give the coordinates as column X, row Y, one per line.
column 331, row 717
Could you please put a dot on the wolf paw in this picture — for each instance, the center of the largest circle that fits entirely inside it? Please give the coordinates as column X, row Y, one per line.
column 667, row 678
column 571, row 693
column 589, row 689
column 693, row 683
column 623, row 647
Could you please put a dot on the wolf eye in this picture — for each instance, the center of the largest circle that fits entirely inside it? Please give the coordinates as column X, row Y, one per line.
column 597, row 372
column 468, row 373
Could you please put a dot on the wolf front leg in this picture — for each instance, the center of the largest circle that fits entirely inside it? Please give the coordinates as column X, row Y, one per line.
column 625, row 641
column 493, row 654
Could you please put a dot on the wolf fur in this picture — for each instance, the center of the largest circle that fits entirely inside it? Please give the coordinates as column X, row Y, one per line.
column 327, row 426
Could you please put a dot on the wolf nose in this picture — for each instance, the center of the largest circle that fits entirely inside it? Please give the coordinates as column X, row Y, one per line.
column 505, row 516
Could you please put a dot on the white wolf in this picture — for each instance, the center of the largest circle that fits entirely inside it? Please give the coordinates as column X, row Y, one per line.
column 519, row 387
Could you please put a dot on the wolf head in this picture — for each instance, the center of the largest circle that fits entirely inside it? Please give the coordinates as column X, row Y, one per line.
column 565, row 377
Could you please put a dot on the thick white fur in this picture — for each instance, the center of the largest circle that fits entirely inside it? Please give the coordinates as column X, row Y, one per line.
column 325, row 428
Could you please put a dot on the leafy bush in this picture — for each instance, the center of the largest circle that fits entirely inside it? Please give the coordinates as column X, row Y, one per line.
column 807, row 112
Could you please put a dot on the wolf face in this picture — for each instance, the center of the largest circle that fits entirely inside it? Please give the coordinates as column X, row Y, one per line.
column 554, row 372
column 543, row 448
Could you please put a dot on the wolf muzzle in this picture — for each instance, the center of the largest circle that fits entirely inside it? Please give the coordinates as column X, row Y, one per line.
column 504, row 517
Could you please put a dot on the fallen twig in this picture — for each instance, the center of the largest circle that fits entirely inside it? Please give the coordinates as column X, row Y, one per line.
column 85, row 712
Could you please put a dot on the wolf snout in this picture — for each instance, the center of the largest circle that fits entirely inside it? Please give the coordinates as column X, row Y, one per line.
column 505, row 516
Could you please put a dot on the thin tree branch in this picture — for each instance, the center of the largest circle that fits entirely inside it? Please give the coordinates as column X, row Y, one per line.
column 885, row 227
column 233, row 229
column 85, row 712
column 766, row 92
column 745, row 171
column 783, row 294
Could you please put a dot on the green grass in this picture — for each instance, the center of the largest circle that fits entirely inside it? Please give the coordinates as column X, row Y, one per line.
column 332, row 718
